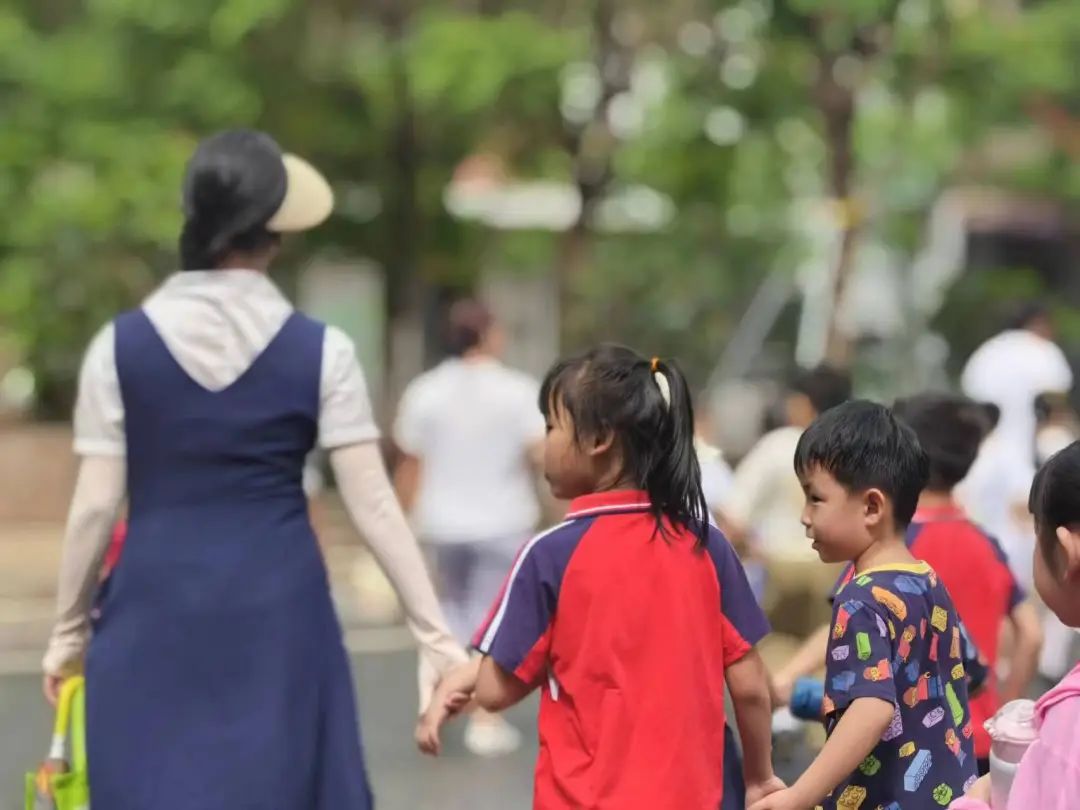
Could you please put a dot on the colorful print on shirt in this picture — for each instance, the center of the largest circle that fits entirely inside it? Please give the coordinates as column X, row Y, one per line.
column 896, row 637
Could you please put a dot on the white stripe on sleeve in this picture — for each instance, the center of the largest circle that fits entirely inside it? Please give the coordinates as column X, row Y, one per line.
column 493, row 628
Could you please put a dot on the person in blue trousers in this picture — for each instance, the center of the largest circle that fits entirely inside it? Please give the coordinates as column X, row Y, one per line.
column 216, row 673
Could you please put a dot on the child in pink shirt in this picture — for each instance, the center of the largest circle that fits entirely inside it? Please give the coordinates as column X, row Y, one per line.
column 1049, row 774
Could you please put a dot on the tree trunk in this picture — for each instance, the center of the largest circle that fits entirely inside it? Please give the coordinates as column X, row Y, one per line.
column 591, row 149
column 407, row 333
column 837, row 105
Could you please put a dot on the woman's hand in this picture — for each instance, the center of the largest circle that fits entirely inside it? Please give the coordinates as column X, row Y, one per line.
column 433, row 666
column 50, row 687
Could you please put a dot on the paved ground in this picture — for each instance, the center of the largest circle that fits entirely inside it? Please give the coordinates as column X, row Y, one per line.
column 402, row 778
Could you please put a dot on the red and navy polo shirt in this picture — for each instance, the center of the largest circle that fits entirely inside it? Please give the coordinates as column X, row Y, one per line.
column 976, row 573
column 628, row 632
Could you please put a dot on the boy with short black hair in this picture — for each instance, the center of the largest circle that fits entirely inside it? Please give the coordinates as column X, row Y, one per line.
column 972, row 565
column 896, row 700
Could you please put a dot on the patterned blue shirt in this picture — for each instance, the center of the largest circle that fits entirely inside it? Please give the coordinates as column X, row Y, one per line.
column 896, row 637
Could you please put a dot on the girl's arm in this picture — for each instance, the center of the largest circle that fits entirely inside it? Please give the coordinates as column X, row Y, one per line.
column 748, row 682
column 497, row 689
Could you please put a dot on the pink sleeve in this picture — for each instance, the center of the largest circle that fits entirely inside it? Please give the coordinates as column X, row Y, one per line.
column 1049, row 774
column 967, row 803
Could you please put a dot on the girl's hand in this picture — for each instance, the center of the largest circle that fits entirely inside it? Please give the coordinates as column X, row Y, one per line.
column 427, row 728
column 50, row 687
column 980, row 790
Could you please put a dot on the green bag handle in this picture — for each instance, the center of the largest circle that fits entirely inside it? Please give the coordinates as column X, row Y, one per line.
column 71, row 724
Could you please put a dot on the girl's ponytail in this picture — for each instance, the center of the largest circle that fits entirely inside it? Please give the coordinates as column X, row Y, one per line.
column 673, row 480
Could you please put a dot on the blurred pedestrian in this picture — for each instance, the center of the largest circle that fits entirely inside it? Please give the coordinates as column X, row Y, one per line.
column 1011, row 370
column 764, row 507
column 472, row 439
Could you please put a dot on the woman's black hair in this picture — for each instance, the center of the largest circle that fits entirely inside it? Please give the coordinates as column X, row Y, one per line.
column 199, row 250
column 613, row 388
column 1055, row 500
column 233, row 185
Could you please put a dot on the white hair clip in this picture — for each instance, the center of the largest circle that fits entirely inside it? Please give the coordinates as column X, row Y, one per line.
column 661, row 381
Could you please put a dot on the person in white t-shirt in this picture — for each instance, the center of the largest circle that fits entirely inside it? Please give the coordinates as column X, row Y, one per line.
column 1010, row 371
column 472, row 436
column 764, row 507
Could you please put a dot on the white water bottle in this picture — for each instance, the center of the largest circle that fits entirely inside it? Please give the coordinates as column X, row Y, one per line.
column 1012, row 730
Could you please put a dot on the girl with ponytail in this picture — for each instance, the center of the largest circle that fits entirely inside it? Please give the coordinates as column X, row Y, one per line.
column 631, row 614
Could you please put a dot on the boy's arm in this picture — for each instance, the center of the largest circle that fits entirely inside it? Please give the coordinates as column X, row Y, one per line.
column 858, row 731
column 1025, row 656
column 497, row 689
column 747, row 681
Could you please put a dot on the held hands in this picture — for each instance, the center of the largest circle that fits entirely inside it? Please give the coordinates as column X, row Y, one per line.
column 782, row 799
column 755, row 792
column 431, row 721
column 452, row 695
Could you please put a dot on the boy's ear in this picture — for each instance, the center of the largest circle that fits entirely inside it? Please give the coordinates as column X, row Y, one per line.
column 874, row 503
column 603, row 441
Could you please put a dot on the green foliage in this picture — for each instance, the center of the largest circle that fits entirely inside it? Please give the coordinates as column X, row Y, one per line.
column 103, row 101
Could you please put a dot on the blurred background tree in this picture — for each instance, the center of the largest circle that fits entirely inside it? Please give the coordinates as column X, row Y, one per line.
column 721, row 156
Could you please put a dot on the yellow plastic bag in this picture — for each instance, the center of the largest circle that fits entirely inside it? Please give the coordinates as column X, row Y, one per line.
column 60, row 783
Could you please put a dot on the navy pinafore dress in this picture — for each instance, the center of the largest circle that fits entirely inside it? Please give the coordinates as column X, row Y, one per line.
column 217, row 678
